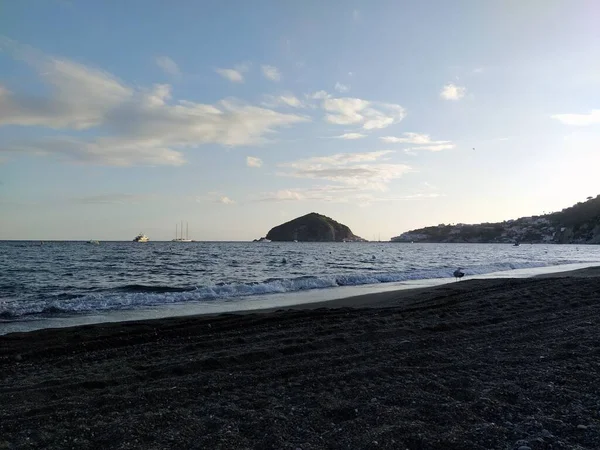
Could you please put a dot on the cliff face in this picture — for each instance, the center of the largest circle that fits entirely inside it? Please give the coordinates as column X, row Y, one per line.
column 578, row 224
column 312, row 227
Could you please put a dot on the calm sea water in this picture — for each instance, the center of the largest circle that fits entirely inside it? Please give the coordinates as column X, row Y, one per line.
column 77, row 278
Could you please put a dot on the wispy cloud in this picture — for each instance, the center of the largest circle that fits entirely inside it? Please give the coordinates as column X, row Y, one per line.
column 423, row 140
column 351, row 136
column 341, row 87
column 433, row 148
column 169, row 66
column 271, row 72
column 272, row 101
column 233, row 75
column 453, row 92
column 252, row 161
column 133, row 125
column 215, row 197
column 359, row 170
column 411, row 138
column 354, row 111
column 593, row 118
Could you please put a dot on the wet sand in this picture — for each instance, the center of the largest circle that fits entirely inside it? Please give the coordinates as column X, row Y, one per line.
column 477, row 364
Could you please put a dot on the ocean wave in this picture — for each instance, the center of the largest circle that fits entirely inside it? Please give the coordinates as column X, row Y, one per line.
column 135, row 296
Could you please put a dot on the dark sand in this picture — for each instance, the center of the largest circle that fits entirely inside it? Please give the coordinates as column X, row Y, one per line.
column 480, row 364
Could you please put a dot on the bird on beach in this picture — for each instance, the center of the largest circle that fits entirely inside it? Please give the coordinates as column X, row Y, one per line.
column 458, row 274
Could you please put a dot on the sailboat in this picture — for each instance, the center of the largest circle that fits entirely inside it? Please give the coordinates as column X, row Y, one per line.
column 179, row 238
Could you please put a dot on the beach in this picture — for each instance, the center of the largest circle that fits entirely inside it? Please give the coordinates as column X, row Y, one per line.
column 475, row 364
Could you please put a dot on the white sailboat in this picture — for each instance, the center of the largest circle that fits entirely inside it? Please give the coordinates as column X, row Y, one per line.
column 179, row 238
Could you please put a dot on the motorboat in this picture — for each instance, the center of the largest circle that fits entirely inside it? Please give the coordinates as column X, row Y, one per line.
column 94, row 241
column 141, row 238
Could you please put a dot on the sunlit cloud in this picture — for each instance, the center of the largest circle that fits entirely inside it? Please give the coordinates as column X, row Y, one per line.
column 252, row 161
column 354, row 111
column 581, row 120
column 411, row 138
column 351, row 136
column 453, row 92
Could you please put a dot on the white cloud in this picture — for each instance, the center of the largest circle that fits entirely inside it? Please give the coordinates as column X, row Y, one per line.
column 411, row 138
column 355, row 111
column 271, row 72
column 133, row 126
column 453, row 92
column 283, row 100
column 351, row 136
column 341, row 87
column 226, row 200
column 232, row 75
column 338, row 159
column 319, row 95
column 215, row 197
column 593, row 118
column 252, row 161
column 168, row 65
column 434, row 148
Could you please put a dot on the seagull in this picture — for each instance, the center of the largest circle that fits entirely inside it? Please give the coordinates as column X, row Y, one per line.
column 458, row 274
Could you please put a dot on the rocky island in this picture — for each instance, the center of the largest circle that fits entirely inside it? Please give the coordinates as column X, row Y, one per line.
column 312, row 227
column 578, row 224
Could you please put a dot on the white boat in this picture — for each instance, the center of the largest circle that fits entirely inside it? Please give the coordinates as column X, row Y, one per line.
column 179, row 238
column 93, row 241
column 141, row 238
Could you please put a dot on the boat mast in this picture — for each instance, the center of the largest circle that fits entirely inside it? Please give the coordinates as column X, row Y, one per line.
column 175, row 231
column 186, row 230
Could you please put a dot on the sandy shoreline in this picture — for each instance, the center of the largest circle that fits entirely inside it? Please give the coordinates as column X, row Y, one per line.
column 474, row 364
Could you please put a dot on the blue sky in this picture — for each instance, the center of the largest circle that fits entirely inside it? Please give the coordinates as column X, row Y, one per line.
column 121, row 117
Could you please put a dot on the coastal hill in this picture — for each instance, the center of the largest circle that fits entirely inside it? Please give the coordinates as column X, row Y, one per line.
column 312, row 227
column 578, row 224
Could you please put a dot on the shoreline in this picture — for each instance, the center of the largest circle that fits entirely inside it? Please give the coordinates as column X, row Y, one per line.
column 367, row 295
column 497, row 363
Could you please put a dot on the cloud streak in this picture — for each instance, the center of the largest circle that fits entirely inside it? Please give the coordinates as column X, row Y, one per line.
column 580, row 120
column 233, row 75
column 363, row 171
column 423, row 140
column 351, row 136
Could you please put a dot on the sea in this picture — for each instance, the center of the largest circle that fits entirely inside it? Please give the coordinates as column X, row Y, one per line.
column 58, row 284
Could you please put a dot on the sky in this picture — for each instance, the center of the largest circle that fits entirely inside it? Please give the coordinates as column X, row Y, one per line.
column 386, row 115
